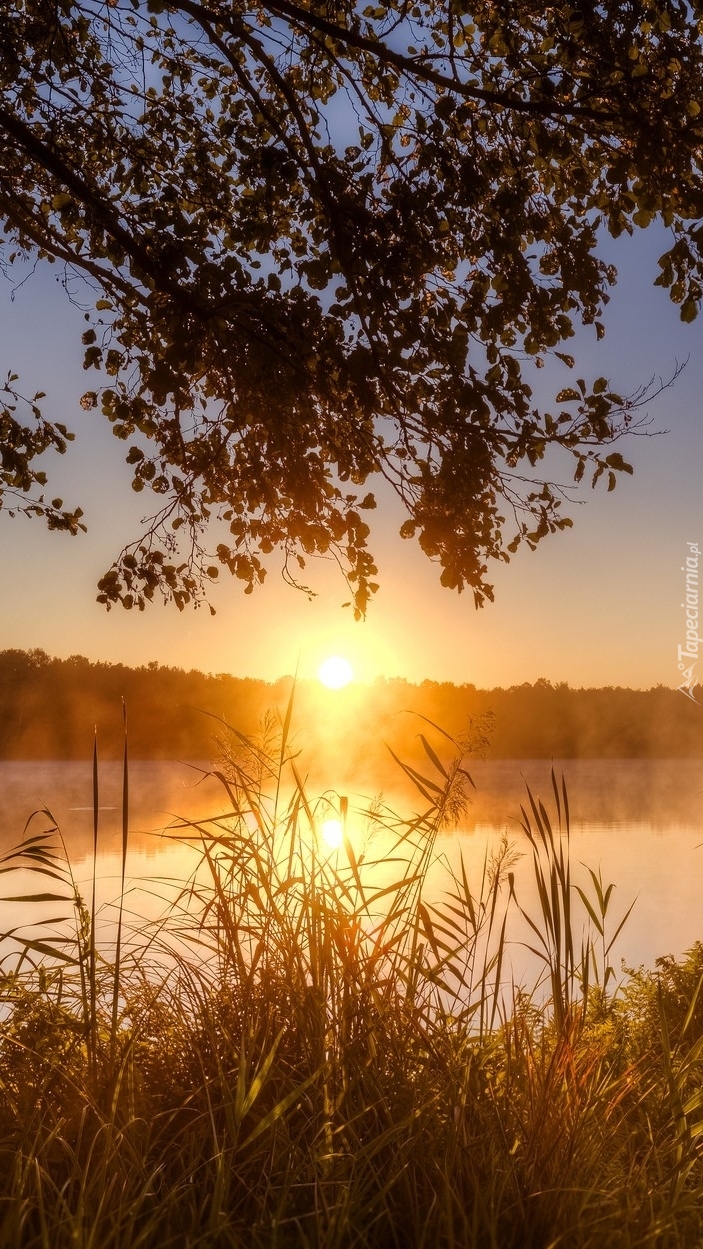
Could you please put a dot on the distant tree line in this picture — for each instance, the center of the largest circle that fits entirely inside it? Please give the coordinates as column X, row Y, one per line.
column 49, row 708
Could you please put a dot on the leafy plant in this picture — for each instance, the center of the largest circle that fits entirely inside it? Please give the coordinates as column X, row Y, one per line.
column 321, row 250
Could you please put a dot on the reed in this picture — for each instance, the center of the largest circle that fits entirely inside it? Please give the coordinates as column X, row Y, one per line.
column 314, row 1049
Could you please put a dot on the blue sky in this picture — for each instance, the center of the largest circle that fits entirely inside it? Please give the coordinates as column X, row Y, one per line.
column 596, row 605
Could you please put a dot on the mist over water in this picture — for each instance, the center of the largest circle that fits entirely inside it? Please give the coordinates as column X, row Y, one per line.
column 49, row 709
column 159, row 792
column 640, row 822
column 655, row 793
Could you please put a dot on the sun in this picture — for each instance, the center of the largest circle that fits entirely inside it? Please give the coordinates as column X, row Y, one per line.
column 335, row 672
column 333, row 833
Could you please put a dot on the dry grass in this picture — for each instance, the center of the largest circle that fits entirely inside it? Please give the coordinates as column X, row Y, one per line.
column 310, row 1052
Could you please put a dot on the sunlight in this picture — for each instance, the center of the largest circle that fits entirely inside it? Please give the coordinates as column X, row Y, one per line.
column 335, row 672
column 333, row 833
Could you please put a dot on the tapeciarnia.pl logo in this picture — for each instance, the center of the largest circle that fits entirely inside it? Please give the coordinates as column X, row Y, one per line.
column 688, row 654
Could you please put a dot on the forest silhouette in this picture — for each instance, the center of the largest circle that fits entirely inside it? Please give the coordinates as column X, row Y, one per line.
column 50, row 708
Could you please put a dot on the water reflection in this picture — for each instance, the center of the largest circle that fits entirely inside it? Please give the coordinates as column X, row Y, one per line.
column 639, row 822
column 159, row 792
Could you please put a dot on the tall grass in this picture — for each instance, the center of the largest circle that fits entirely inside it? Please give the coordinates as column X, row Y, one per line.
column 315, row 1048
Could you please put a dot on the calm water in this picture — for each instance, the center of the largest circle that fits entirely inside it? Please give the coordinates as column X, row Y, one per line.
column 639, row 822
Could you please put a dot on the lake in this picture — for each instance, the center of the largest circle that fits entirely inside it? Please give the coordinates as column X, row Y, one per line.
column 640, row 822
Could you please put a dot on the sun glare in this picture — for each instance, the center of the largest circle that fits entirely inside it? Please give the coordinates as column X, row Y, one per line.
column 335, row 672
column 333, row 833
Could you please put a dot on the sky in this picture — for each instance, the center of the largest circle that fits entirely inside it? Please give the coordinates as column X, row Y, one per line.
column 599, row 604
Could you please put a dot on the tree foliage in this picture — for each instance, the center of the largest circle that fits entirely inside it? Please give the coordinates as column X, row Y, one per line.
column 327, row 243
